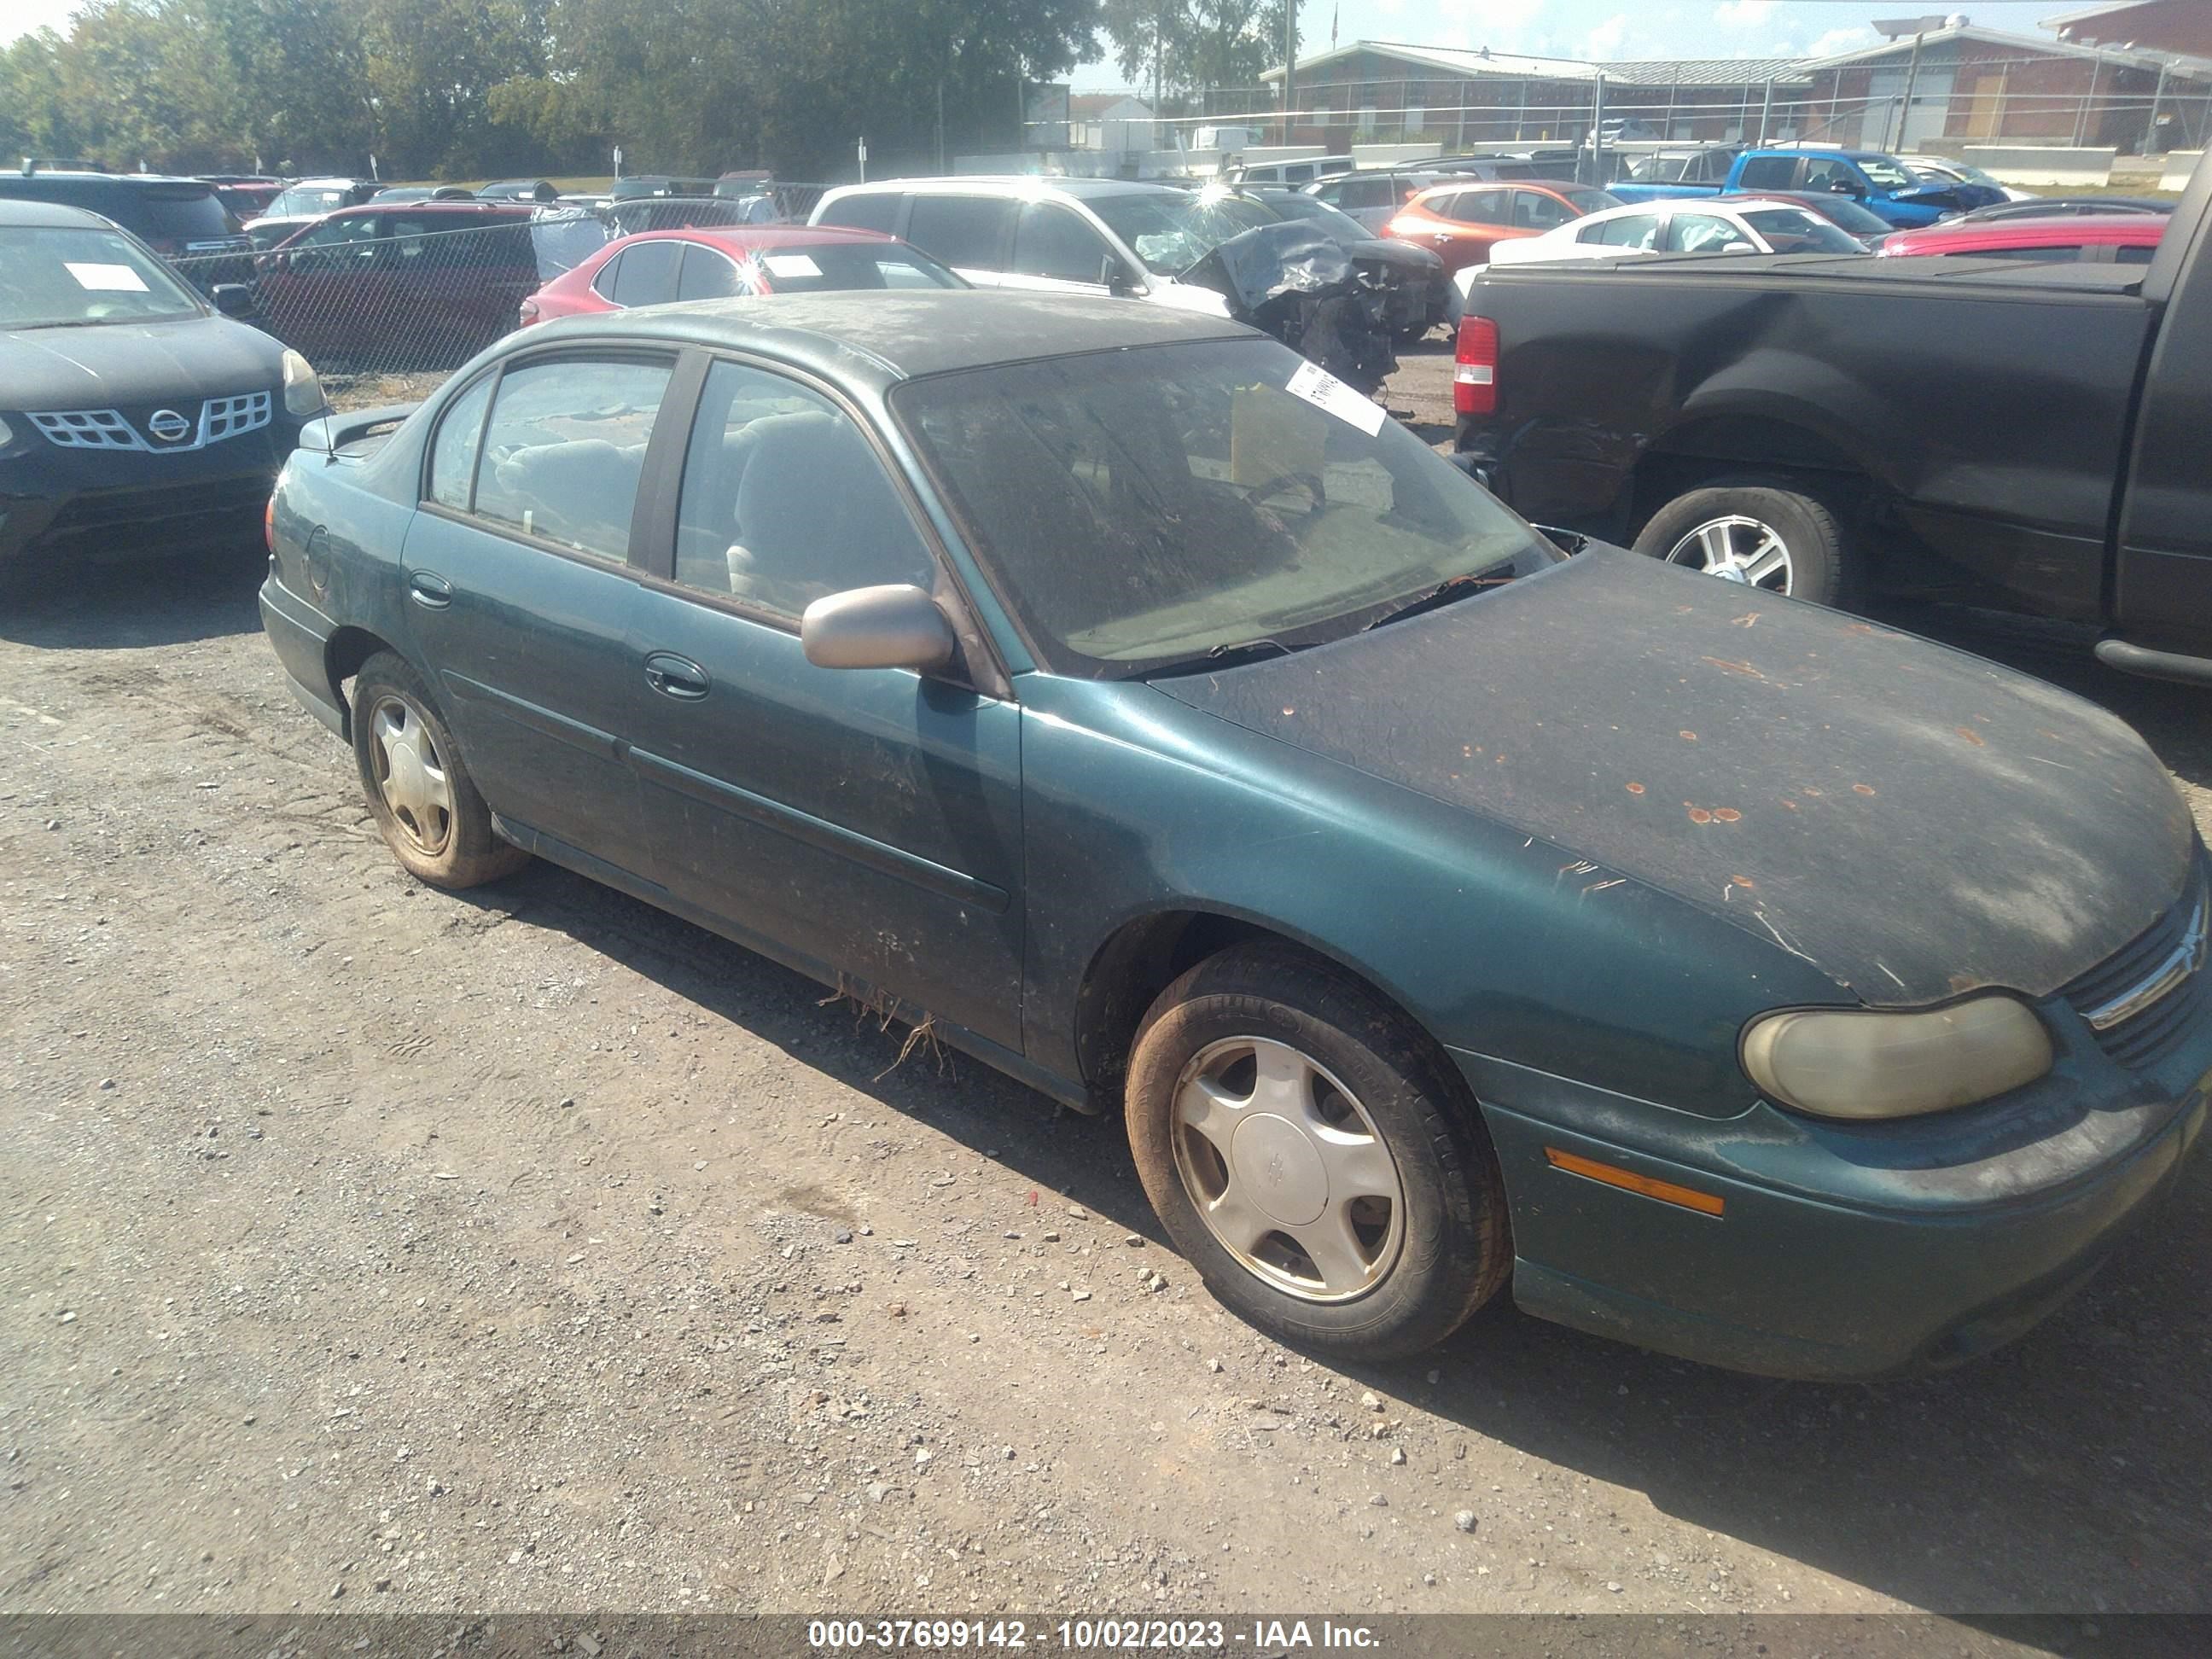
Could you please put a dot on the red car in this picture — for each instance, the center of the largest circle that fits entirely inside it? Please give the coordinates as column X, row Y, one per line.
column 718, row 261
column 2124, row 239
column 1463, row 220
column 414, row 285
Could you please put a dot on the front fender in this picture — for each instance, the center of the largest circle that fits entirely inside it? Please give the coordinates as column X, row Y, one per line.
column 1494, row 941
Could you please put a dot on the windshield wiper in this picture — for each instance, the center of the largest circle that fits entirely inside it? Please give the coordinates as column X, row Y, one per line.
column 1221, row 656
column 1443, row 593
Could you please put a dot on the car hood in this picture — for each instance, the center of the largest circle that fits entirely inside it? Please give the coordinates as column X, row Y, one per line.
column 1914, row 822
column 1403, row 256
column 109, row 365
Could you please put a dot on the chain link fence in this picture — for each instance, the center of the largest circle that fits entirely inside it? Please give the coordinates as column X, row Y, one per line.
column 419, row 288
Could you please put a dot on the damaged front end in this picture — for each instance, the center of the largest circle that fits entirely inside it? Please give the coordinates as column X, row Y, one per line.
column 1310, row 292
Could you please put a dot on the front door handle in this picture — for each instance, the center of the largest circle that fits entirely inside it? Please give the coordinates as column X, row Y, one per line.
column 429, row 590
column 675, row 677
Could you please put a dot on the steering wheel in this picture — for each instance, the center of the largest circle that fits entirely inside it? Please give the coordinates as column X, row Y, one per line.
column 1306, row 481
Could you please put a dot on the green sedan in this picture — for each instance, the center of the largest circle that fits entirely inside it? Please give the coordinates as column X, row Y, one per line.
column 1116, row 693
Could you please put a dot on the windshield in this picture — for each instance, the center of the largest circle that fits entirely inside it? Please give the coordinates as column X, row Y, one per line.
column 1139, row 509
column 1793, row 230
column 1885, row 174
column 60, row 276
column 1661, row 169
column 1333, row 222
column 1172, row 232
column 820, row 267
column 182, row 214
column 1858, row 221
column 1588, row 202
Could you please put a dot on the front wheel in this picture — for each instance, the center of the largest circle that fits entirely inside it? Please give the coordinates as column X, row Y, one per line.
column 419, row 793
column 1759, row 534
column 1304, row 1149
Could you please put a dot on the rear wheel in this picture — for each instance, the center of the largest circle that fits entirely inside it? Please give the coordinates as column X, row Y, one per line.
column 419, row 792
column 1304, row 1149
column 1759, row 532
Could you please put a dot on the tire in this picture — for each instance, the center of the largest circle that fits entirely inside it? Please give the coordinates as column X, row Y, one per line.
column 1396, row 1275
column 1732, row 519
column 426, row 805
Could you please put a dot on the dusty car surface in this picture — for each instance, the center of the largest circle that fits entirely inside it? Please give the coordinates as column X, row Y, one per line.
column 1107, row 690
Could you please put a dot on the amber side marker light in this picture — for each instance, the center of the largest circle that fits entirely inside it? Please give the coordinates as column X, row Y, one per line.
column 1628, row 1180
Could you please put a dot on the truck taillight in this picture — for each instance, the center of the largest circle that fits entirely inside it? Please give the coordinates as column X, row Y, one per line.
column 1474, row 367
column 269, row 526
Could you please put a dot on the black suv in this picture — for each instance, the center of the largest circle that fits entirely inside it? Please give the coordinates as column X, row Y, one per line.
column 182, row 220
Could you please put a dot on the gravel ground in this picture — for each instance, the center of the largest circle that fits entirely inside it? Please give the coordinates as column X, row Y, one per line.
column 366, row 1247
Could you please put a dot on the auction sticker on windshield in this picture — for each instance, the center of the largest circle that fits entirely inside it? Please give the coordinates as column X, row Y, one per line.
column 114, row 279
column 791, row 264
column 1324, row 391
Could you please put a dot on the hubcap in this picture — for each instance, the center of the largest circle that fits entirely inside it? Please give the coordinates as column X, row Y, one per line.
column 411, row 775
column 1737, row 550
column 1287, row 1170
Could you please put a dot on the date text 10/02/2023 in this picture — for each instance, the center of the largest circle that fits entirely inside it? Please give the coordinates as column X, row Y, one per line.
column 1085, row 1634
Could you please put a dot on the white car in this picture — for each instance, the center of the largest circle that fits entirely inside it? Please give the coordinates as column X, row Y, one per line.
column 1691, row 225
column 1060, row 235
column 1942, row 170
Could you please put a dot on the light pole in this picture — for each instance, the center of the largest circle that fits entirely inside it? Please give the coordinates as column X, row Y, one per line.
column 1290, row 65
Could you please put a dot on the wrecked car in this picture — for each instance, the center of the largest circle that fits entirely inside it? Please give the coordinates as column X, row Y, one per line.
column 1138, row 240
column 1126, row 702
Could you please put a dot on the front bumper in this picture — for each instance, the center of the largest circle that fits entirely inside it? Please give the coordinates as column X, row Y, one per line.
column 60, row 507
column 1843, row 1251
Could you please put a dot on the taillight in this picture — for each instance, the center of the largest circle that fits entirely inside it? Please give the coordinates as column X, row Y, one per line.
column 529, row 312
column 1474, row 367
column 269, row 526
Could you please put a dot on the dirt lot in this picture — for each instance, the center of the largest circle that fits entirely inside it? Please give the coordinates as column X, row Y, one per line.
column 364, row 1247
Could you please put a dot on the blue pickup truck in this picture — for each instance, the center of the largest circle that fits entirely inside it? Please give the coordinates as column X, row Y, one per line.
column 1884, row 185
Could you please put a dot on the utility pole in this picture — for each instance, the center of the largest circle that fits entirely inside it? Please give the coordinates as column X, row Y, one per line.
column 2150, row 130
column 1290, row 65
column 1597, row 130
column 1765, row 112
column 1904, row 108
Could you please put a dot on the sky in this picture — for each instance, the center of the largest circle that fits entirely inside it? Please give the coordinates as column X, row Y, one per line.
column 1565, row 29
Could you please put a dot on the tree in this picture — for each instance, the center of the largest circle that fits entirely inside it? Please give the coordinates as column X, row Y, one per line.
column 1194, row 46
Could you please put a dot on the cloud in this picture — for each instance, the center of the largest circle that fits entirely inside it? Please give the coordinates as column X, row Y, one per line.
column 1604, row 40
column 1743, row 13
column 1503, row 18
column 1836, row 41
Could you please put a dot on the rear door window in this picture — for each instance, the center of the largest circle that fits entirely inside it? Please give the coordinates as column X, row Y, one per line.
column 454, row 450
column 870, row 211
column 708, row 274
column 962, row 230
column 647, row 277
column 564, row 449
column 1767, row 173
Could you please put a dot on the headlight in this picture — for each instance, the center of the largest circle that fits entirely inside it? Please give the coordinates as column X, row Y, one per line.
column 1863, row 1063
column 303, row 392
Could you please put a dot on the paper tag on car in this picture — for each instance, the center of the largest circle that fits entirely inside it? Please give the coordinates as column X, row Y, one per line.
column 108, row 279
column 1324, row 391
column 790, row 265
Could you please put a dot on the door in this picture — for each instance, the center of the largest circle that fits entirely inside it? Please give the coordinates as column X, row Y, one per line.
column 865, row 821
column 1475, row 222
column 2165, row 585
column 322, row 293
column 519, row 589
column 455, row 279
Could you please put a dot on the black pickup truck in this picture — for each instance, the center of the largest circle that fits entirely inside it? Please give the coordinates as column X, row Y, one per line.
column 2035, row 437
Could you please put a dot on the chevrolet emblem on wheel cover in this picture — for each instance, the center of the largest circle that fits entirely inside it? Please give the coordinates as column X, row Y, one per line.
column 169, row 426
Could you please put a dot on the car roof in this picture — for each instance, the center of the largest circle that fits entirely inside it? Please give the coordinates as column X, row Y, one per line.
column 989, row 184
column 17, row 214
column 2062, row 229
column 751, row 236
column 472, row 210
column 882, row 338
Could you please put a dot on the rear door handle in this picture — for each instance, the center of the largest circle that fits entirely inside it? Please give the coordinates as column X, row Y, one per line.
column 428, row 589
column 675, row 677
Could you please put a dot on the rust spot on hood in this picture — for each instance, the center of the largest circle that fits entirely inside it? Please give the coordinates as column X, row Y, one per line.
column 1971, row 736
column 1861, row 789
column 1728, row 667
column 1635, row 788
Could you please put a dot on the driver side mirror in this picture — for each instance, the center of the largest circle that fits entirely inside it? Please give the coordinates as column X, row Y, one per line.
column 895, row 626
column 1114, row 277
column 1844, row 188
column 232, row 299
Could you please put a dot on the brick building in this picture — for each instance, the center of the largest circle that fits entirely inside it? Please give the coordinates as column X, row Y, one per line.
column 1944, row 90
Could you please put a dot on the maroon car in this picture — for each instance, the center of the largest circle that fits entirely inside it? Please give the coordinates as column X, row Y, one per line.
column 416, row 285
